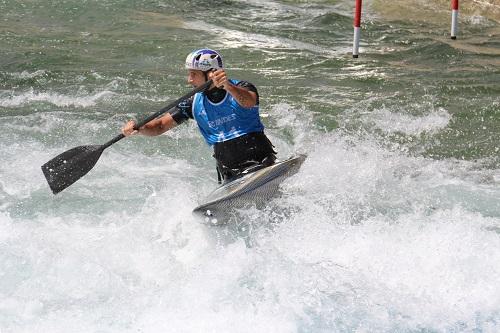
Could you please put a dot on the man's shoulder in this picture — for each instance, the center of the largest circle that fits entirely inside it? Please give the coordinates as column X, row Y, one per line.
column 246, row 84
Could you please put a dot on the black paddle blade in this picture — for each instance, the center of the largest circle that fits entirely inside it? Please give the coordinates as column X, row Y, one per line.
column 66, row 168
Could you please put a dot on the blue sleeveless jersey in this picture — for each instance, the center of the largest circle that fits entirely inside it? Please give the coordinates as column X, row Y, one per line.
column 225, row 120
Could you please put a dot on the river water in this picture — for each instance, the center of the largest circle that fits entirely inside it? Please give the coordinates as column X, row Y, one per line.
column 391, row 225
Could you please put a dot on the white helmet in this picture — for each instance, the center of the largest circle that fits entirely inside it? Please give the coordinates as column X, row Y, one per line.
column 204, row 60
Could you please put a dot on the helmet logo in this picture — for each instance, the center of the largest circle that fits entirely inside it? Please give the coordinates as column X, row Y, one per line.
column 204, row 63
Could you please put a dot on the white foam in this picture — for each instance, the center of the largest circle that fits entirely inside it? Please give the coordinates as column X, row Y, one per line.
column 478, row 20
column 294, row 121
column 31, row 96
column 362, row 235
column 406, row 123
column 368, row 238
column 419, row 270
column 28, row 75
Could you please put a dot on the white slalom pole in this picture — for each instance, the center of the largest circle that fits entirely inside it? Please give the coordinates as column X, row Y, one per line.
column 357, row 29
column 454, row 18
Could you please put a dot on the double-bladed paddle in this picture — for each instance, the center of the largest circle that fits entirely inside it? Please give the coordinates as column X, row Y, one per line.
column 66, row 168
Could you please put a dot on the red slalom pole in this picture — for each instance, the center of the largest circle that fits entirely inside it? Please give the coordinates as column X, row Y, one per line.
column 357, row 29
column 454, row 18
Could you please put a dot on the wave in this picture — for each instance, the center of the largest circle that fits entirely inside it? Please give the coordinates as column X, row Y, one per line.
column 392, row 122
column 437, row 11
column 53, row 98
column 28, row 75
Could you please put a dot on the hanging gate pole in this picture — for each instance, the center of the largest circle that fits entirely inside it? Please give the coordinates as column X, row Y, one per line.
column 454, row 18
column 357, row 29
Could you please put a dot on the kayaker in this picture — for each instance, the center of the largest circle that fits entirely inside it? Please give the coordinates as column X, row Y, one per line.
column 227, row 114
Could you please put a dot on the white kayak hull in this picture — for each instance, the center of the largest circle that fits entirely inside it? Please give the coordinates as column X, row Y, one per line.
column 251, row 189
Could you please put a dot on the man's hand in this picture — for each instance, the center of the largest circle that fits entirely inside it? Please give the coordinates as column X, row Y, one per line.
column 128, row 128
column 219, row 78
column 243, row 96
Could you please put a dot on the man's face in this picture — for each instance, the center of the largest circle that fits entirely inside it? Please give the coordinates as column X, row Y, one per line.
column 196, row 78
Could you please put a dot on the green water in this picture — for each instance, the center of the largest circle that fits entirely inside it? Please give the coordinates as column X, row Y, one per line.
column 297, row 52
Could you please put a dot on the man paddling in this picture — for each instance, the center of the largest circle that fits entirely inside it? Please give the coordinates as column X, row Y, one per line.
column 227, row 114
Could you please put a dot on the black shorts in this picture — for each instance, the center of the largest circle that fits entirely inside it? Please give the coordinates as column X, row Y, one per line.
column 234, row 156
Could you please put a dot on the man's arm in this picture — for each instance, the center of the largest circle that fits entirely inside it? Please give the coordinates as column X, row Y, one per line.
column 154, row 127
column 174, row 117
column 243, row 96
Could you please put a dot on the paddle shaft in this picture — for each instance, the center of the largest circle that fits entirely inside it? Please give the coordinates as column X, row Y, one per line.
column 160, row 112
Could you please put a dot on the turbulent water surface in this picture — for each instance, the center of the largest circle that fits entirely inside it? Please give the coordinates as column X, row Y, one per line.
column 391, row 225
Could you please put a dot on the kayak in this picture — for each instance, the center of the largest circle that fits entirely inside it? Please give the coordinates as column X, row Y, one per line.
column 252, row 188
